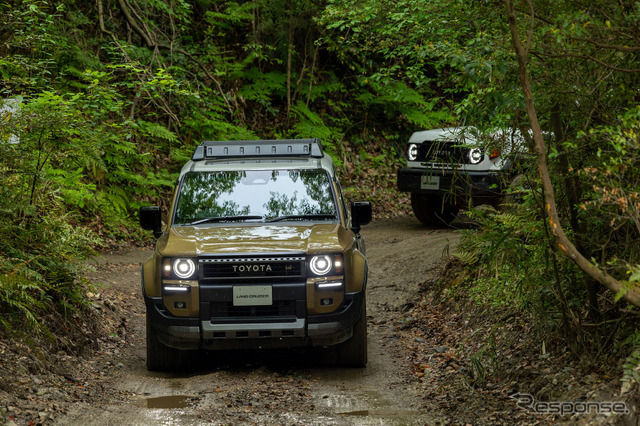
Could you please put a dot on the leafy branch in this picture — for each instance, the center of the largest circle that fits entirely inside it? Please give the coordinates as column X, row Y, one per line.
column 630, row 295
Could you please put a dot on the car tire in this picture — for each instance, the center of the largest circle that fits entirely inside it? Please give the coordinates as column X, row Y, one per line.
column 433, row 210
column 160, row 357
column 353, row 352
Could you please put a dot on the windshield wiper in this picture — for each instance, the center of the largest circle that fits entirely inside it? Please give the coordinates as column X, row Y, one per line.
column 226, row 219
column 301, row 217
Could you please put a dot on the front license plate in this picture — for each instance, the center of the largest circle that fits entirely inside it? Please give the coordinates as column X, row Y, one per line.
column 252, row 295
column 429, row 182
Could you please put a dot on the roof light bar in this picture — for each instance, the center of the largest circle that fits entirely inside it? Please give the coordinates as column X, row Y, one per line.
column 258, row 148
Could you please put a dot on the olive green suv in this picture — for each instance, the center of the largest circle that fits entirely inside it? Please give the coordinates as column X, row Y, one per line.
column 259, row 250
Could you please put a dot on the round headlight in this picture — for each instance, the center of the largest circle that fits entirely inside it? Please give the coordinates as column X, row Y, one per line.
column 184, row 268
column 412, row 152
column 475, row 156
column 320, row 265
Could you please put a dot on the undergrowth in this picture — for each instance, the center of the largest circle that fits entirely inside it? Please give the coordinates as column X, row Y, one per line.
column 509, row 266
column 40, row 271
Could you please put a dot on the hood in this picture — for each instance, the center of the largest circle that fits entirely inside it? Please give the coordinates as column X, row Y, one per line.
column 194, row 241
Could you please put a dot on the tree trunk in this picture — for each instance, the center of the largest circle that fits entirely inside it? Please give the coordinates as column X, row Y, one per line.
column 573, row 198
column 630, row 295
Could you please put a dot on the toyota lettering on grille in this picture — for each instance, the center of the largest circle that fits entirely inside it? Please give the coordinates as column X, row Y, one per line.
column 252, row 268
column 222, row 268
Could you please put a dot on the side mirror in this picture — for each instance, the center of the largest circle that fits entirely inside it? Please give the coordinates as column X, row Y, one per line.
column 151, row 220
column 360, row 215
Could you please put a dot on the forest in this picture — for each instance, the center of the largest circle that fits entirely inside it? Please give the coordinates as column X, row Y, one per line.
column 103, row 101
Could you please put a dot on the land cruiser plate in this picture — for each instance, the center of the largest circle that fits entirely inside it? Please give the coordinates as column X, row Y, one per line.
column 429, row 182
column 252, row 295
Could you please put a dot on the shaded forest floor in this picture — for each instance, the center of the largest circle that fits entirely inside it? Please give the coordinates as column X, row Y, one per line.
column 480, row 363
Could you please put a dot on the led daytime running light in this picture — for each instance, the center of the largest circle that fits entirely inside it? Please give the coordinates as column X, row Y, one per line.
column 176, row 288
column 329, row 285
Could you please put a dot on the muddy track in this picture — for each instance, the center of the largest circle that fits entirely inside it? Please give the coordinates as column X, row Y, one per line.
column 277, row 387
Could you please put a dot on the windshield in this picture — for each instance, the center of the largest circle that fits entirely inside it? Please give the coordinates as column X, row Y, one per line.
column 255, row 195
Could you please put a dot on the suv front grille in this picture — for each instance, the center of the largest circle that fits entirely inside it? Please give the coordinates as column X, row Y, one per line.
column 442, row 152
column 271, row 267
column 285, row 274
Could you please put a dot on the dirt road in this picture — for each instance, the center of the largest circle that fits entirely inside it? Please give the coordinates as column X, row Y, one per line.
column 285, row 387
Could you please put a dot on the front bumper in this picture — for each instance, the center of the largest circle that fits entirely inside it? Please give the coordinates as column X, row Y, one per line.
column 469, row 184
column 303, row 330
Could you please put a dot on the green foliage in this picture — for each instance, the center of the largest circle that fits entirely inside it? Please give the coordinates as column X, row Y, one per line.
column 614, row 178
column 310, row 125
column 485, row 362
column 39, row 265
column 511, row 258
column 263, row 88
column 21, row 296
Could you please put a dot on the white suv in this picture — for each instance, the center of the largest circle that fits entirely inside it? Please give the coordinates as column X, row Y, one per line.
column 455, row 167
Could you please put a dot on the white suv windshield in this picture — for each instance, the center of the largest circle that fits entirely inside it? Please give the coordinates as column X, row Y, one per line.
column 255, row 195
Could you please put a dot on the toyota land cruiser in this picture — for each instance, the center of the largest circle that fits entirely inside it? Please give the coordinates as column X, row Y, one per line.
column 454, row 167
column 259, row 250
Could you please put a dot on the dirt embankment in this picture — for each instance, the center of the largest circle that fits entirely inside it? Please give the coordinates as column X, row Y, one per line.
column 421, row 366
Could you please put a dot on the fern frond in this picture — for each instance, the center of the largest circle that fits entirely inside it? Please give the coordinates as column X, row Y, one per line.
column 467, row 257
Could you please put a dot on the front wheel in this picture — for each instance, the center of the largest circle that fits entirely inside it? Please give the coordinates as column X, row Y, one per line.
column 353, row 352
column 433, row 209
column 159, row 356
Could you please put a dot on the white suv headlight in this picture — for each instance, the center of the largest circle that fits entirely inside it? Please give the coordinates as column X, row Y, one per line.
column 475, row 155
column 412, row 152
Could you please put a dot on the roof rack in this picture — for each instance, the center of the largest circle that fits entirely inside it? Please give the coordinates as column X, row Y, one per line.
column 258, row 148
